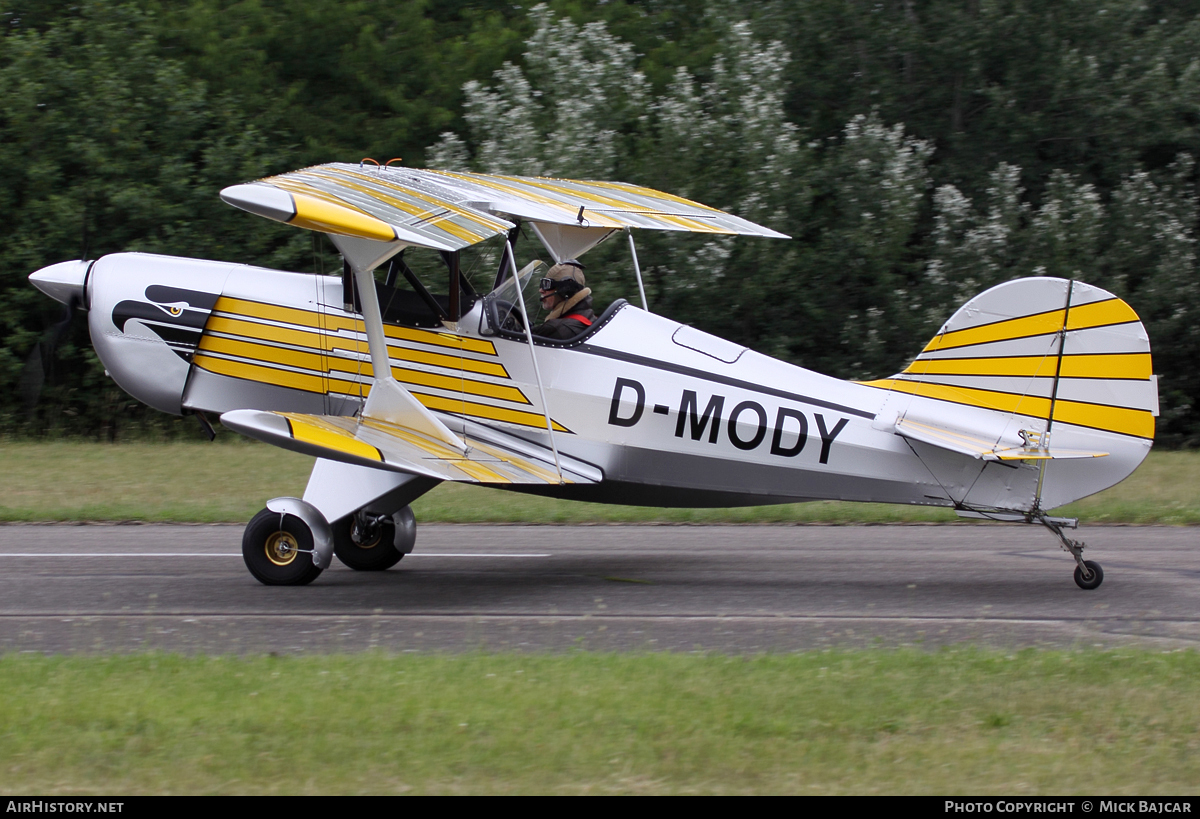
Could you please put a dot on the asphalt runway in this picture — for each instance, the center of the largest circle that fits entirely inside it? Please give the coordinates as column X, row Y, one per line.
column 99, row 588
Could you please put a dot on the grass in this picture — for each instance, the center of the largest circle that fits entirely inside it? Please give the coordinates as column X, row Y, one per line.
column 229, row 482
column 954, row 722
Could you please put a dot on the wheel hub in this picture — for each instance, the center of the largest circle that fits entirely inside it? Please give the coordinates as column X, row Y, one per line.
column 366, row 533
column 281, row 548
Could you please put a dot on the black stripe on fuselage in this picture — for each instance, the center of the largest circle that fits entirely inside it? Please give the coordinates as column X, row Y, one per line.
column 720, row 379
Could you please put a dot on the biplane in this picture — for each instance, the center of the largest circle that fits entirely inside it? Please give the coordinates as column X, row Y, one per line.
column 1033, row 394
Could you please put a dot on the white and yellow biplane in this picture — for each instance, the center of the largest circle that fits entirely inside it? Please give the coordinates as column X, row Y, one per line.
column 1034, row 394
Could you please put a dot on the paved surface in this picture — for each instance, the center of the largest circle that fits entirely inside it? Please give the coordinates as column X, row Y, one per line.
column 95, row 588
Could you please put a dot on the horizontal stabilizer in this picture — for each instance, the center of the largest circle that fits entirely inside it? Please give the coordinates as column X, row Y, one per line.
column 370, row 442
column 976, row 446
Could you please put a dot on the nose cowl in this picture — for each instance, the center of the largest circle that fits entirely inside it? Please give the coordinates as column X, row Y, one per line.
column 63, row 281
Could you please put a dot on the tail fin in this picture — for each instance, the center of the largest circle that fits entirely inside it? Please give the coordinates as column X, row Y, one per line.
column 1063, row 370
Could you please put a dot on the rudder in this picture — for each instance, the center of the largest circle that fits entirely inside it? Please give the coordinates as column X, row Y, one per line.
column 1066, row 363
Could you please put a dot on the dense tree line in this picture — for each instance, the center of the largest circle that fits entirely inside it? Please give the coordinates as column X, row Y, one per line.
column 917, row 153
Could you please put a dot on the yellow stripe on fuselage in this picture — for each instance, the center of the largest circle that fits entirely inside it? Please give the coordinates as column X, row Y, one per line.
column 261, row 374
column 476, row 410
column 267, row 354
column 329, row 343
column 1126, row 421
column 1096, row 314
column 316, row 384
column 314, row 320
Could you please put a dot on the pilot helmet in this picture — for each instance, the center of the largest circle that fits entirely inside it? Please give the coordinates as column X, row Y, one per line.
column 565, row 278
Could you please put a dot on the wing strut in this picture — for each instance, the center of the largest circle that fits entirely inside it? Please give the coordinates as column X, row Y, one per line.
column 537, row 373
column 637, row 269
column 388, row 401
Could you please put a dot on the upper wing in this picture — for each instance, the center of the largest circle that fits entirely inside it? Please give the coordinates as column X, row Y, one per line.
column 368, row 204
column 574, row 202
column 450, row 211
column 492, row 457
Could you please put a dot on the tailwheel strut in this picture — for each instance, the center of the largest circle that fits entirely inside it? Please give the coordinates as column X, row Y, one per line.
column 1088, row 574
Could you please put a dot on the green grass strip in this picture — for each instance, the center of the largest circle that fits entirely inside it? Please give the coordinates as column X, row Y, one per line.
column 230, row 482
column 952, row 722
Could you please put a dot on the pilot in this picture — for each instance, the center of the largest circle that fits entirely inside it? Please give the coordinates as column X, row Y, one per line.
column 564, row 292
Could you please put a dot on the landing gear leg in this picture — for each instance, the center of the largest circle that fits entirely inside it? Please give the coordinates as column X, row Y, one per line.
column 1088, row 574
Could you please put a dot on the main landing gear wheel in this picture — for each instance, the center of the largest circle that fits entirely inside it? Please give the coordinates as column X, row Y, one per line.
column 1096, row 578
column 278, row 550
column 367, row 543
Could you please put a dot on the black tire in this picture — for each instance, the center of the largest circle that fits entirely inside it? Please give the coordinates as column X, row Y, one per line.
column 375, row 554
column 1092, row 582
column 274, row 547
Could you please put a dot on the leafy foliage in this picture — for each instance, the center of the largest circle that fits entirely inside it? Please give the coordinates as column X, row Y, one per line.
column 916, row 153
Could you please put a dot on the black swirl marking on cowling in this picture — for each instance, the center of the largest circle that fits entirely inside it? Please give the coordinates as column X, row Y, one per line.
column 162, row 294
column 174, row 314
column 128, row 309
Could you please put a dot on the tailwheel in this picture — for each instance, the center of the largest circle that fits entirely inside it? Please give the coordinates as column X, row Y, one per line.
column 278, row 550
column 1088, row 574
column 1094, row 577
column 368, row 543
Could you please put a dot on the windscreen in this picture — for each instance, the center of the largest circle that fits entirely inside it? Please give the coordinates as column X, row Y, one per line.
column 504, row 312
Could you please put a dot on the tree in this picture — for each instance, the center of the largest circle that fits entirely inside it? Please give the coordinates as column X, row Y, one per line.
column 107, row 146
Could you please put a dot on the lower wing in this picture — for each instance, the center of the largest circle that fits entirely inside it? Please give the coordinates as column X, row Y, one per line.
column 492, row 457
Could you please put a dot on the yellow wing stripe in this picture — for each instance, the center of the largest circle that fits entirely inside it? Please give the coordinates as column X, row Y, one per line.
column 380, row 181
column 492, row 182
column 1112, row 365
column 650, row 193
column 333, row 434
column 316, row 210
column 313, row 430
column 431, row 447
column 1096, row 314
column 309, row 318
column 520, row 463
column 1126, row 421
column 454, row 229
column 618, row 204
column 317, row 214
column 478, row 471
